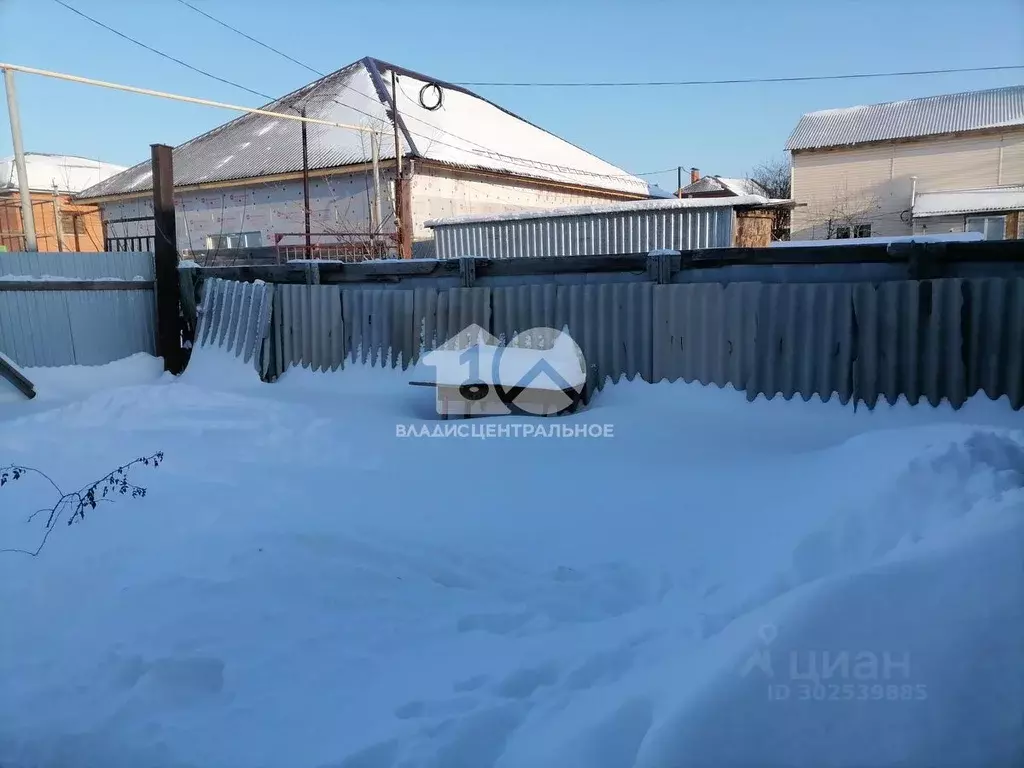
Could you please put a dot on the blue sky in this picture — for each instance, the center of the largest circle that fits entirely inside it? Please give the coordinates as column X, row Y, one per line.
column 720, row 129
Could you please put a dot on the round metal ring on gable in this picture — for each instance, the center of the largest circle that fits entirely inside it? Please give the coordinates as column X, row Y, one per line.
column 436, row 102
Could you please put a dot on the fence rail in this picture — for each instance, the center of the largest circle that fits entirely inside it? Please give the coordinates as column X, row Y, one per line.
column 897, row 261
column 130, row 244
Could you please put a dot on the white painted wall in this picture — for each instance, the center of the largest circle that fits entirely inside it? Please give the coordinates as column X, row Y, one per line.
column 337, row 204
column 340, row 203
column 439, row 194
column 873, row 182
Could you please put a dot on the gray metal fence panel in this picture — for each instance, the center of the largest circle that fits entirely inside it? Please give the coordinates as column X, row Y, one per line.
column 235, row 317
column 589, row 234
column 84, row 266
column 519, row 308
column 309, row 328
column 763, row 339
column 923, row 340
column 994, row 309
column 612, row 324
column 76, row 327
column 458, row 309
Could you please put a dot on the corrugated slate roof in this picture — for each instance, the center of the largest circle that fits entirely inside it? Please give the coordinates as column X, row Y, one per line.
column 932, row 115
column 717, row 184
column 44, row 171
column 993, row 199
column 465, row 130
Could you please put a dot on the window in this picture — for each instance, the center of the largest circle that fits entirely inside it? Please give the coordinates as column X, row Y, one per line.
column 846, row 231
column 992, row 227
column 240, row 240
column 72, row 224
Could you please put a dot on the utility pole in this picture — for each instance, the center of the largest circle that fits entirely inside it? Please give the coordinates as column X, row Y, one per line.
column 679, row 181
column 400, row 189
column 57, row 225
column 165, row 256
column 28, row 219
column 375, row 154
column 305, row 183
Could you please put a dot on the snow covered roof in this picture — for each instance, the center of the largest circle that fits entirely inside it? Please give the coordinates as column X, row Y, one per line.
column 437, row 121
column 69, row 174
column 632, row 206
column 949, row 113
column 719, row 184
column 969, row 201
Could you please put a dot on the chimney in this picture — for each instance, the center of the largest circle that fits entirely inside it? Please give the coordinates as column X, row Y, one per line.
column 694, row 175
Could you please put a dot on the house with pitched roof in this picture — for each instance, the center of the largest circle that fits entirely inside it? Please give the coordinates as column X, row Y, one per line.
column 60, row 223
column 934, row 165
column 241, row 185
column 721, row 186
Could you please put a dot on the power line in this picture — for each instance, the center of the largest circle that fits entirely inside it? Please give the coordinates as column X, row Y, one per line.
column 658, row 173
column 512, row 159
column 743, row 80
column 251, row 39
column 486, row 151
column 176, row 60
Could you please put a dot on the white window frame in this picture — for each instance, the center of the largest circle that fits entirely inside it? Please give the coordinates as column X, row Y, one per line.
column 231, row 241
column 999, row 222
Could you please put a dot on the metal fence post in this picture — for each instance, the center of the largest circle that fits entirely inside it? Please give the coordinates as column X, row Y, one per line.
column 659, row 266
column 165, row 254
column 467, row 271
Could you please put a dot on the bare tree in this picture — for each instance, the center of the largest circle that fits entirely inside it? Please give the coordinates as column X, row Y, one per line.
column 847, row 214
column 774, row 176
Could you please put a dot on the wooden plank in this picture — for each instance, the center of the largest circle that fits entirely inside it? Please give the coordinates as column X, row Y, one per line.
column 10, row 372
column 76, row 285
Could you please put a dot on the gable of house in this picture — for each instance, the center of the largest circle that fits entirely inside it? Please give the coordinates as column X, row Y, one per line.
column 864, row 165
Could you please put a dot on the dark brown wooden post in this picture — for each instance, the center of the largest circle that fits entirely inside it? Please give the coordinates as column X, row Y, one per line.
column 404, row 186
column 165, row 253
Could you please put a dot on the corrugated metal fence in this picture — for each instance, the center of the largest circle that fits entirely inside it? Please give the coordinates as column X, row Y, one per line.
column 76, row 308
column 862, row 342
column 588, row 234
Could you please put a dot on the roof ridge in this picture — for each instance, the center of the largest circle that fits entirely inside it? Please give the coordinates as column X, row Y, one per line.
column 915, row 99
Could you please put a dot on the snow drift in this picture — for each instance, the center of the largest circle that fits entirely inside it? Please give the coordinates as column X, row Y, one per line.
column 722, row 583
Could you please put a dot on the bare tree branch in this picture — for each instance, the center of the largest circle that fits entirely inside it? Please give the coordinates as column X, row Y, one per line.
column 774, row 176
column 107, row 488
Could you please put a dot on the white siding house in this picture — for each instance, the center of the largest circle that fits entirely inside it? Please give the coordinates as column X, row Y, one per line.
column 869, row 171
column 241, row 183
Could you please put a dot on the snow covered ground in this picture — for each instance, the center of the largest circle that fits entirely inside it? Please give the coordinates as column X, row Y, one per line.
column 301, row 587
